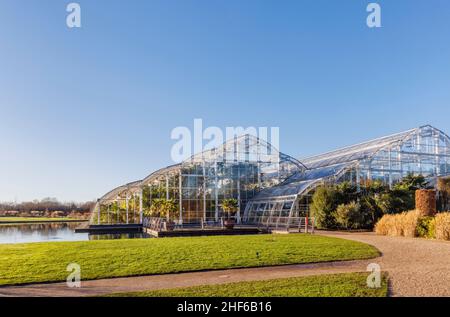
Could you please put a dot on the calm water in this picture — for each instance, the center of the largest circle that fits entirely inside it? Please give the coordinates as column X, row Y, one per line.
column 47, row 232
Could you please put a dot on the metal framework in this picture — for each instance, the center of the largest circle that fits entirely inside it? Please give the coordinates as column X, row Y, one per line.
column 424, row 150
column 272, row 187
column 239, row 169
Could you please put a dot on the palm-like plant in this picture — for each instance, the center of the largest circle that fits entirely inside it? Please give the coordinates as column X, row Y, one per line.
column 230, row 206
column 169, row 208
column 163, row 208
column 412, row 182
column 156, row 207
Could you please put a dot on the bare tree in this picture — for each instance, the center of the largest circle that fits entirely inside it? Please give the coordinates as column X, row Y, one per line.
column 46, row 207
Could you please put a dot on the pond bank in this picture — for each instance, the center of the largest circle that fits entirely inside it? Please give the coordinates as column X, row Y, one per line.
column 37, row 220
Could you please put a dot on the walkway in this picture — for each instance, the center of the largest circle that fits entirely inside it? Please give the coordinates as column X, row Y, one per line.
column 155, row 282
column 416, row 267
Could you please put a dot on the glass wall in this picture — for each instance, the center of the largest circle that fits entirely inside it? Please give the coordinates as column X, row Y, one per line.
column 271, row 186
column 422, row 151
column 425, row 152
column 238, row 169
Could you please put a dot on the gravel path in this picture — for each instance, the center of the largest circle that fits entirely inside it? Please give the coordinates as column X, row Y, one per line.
column 416, row 267
column 156, row 282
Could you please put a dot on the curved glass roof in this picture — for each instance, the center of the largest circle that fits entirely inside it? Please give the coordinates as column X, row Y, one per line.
column 300, row 182
column 120, row 191
column 336, row 163
column 301, row 174
column 355, row 152
column 245, row 148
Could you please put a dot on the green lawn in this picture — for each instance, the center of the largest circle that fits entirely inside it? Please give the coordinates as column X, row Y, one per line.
column 32, row 219
column 45, row 262
column 336, row 285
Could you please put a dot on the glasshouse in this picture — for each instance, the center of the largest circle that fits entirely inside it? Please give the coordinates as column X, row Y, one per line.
column 267, row 185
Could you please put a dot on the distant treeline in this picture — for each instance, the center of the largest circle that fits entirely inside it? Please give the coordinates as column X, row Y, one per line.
column 46, row 207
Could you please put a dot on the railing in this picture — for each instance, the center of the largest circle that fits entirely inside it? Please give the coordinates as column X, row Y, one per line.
column 302, row 224
column 298, row 224
column 212, row 223
column 160, row 224
column 154, row 223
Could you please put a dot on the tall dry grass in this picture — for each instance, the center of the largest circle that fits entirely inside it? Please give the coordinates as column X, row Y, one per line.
column 399, row 225
column 442, row 226
column 383, row 225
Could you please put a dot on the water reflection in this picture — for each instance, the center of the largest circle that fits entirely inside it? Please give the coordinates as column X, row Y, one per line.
column 118, row 236
column 41, row 232
column 47, row 232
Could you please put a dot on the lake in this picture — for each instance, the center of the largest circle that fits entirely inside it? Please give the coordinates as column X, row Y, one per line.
column 48, row 232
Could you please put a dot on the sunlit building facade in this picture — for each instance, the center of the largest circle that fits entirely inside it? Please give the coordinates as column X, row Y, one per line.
column 238, row 169
column 273, row 188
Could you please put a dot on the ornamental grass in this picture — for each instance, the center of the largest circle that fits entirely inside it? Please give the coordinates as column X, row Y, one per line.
column 442, row 226
column 399, row 225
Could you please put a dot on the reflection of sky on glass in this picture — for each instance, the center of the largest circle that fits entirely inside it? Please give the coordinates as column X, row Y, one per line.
column 25, row 233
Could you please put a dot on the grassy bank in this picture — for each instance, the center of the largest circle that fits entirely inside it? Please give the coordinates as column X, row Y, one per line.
column 336, row 285
column 44, row 262
column 12, row 220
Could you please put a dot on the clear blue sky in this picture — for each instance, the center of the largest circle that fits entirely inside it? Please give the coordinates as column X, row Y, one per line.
column 84, row 110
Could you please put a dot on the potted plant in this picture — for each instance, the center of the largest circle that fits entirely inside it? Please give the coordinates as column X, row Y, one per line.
column 230, row 206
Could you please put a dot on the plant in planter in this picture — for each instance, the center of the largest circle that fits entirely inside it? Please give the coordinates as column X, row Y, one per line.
column 230, row 206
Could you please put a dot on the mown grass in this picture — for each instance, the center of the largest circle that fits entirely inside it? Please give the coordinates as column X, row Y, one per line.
column 47, row 262
column 336, row 285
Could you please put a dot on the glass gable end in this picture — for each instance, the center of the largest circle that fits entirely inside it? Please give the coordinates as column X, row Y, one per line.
column 425, row 151
column 238, row 169
column 272, row 187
